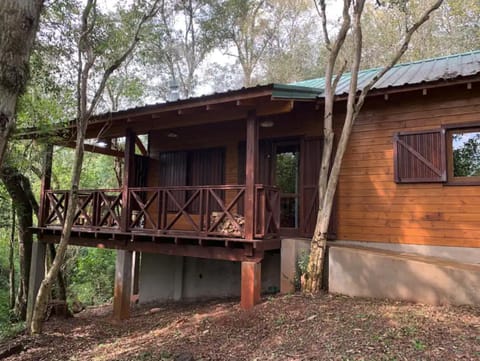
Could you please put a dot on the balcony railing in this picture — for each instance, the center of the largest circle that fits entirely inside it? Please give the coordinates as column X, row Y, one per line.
column 193, row 211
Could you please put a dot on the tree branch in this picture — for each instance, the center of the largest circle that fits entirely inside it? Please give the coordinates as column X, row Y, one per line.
column 401, row 50
column 117, row 62
column 321, row 10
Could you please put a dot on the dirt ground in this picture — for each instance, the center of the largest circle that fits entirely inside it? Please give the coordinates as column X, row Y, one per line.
column 292, row 327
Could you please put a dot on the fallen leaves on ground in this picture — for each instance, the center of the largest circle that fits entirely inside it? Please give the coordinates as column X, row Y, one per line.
column 291, row 327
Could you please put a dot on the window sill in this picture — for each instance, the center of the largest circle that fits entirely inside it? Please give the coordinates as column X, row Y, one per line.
column 473, row 182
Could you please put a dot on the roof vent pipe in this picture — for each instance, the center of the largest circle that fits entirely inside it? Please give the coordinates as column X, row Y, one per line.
column 174, row 93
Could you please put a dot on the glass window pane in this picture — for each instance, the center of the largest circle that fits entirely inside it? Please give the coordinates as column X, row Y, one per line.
column 286, row 176
column 287, row 171
column 466, row 153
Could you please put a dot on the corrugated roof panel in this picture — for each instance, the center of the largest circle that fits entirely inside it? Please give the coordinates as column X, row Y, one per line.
column 415, row 74
column 436, row 71
column 386, row 80
column 428, row 70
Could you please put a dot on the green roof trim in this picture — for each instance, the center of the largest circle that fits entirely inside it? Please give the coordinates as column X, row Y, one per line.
column 297, row 92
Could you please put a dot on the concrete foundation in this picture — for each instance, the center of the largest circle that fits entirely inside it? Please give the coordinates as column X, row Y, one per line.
column 379, row 273
column 171, row 278
column 457, row 254
column 292, row 252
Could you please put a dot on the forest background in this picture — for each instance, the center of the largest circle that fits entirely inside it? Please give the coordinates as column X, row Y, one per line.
column 199, row 46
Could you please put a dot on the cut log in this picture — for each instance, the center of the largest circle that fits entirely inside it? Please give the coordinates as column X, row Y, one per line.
column 226, row 225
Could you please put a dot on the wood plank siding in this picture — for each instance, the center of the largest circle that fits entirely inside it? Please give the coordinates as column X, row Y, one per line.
column 372, row 207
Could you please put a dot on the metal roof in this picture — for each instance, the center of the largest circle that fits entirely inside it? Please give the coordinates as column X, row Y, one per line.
column 423, row 71
column 274, row 90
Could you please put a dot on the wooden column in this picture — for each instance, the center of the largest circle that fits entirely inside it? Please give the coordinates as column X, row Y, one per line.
column 45, row 183
column 37, row 273
column 127, row 177
column 251, row 165
column 123, row 285
column 251, row 284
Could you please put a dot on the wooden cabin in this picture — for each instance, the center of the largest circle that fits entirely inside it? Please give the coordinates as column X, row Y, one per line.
column 229, row 176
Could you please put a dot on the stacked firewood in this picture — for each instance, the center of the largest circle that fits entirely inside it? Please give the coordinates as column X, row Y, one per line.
column 226, row 226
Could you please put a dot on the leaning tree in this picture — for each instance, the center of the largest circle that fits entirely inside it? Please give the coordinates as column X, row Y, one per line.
column 90, row 53
column 351, row 26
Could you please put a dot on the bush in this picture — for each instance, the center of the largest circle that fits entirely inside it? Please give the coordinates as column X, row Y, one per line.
column 90, row 275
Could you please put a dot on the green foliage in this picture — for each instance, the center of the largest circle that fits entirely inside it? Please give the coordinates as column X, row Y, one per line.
column 287, row 171
column 302, row 264
column 90, row 275
column 418, row 345
column 97, row 171
column 466, row 154
column 7, row 327
column 452, row 29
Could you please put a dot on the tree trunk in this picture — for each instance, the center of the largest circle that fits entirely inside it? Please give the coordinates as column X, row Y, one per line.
column 84, row 111
column 19, row 189
column 18, row 26
column 61, row 291
column 41, row 301
column 11, row 264
column 329, row 176
column 118, row 164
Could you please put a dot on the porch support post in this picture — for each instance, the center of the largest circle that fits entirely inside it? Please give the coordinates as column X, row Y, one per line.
column 123, row 285
column 127, row 177
column 251, row 165
column 37, row 273
column 45, row 183
column 251, row 284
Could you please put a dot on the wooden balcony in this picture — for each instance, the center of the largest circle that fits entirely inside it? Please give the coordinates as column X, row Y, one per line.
column 191, row 215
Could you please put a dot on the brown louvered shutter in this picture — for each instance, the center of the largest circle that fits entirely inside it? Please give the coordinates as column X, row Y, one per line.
column 420, row 157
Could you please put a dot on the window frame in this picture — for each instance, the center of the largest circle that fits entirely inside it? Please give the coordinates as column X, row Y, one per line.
column 450, row 130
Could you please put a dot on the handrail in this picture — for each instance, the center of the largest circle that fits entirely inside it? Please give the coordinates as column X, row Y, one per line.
column 213, row 210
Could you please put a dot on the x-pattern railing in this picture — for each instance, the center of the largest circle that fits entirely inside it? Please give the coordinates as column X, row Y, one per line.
column 267, row 211
column 95, row 208
column 56, row 206
column 197, row 210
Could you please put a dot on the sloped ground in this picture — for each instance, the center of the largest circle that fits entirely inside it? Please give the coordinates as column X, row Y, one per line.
column 290, row 327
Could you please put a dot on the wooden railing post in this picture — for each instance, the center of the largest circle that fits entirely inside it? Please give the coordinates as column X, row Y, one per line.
column 45, row 184
column 250, row 174
column 127, row 177
column 260, row 217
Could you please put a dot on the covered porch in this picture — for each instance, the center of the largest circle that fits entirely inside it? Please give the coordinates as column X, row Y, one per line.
column 168, row 203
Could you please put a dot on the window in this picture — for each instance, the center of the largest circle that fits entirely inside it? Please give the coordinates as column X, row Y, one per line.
column 463, row 150
column 286, row 178
column 419, row 157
